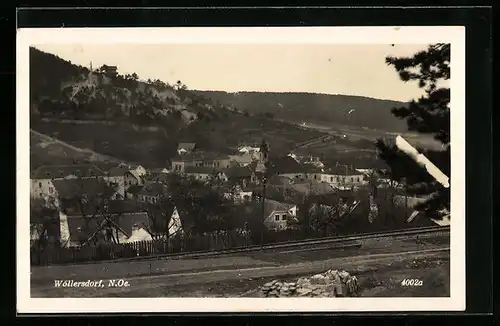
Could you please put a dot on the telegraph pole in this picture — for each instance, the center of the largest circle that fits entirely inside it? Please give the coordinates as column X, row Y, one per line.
column 264, row 149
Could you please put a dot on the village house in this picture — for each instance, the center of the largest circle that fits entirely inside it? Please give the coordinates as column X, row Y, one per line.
column 238, row 194
column 109, row 70
column 312, row 187
column 278, row 214
column 258, row 169
column 132, row 178
column 188, row 116
column 240, row 175
column 41, row 185
column 167, row 221
column 215, row 160
column 305, row 155
column 280, row 181
column 199, row 159
column 151, row 192
column 181, row 162
column 248, row 149
column 244, row 158
column 124, row 177
column 132, row 192
column 158, row 171
column 339, row 204
column 44, row 223
column 138, row 169
column 343, row 177
column 288, row 167
column 203, row 173
column 123, row 222
column 184, row 148
column 160, row 177
column 91, row 189
column 116, row 175
column 200, row 172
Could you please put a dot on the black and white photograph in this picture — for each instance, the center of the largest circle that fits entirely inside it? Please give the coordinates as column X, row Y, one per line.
column 244, row 164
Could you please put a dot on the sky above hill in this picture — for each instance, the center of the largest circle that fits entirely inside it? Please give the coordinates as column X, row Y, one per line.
column 320, row 68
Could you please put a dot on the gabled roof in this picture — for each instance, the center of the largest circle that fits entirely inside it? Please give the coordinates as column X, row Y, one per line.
column 158, row 170
column 238, row 172
column 311, row 187
column 285, row 164
column 153, row 189
column 200, row 170
column 81, row 229
column 186, row 146
column 135, row 166
column 243, row 158
column 271, row 206
column 134, row 189
column 118, row 171
column 71, row 188
column 309, row 168
column 213, row 156
column 189, row 157
column 124, row 206
column 277, row 180
column 61, row 171
column 160, row 215
column 341, row 170
column 134, row 174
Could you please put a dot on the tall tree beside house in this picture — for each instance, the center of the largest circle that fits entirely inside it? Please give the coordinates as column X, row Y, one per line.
column 201, row 203
column 160, row 216
column 43, row 221
column 89, row 199
column 324, row 214
column 303, row 221
column 430, row 114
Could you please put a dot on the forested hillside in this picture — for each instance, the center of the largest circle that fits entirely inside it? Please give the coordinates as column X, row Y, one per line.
column 139, row 120
column 319, row 108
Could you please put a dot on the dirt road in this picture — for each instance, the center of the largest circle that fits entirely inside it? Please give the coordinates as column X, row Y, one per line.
column 105, row 270
column 147, row 285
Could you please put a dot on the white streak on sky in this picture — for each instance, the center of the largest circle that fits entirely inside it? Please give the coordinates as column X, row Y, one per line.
column 433, row 170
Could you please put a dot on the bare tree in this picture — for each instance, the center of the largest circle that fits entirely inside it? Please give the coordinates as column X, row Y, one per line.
column 43, row 220
column 323, row 213
column 160, row 215
column 89, row 198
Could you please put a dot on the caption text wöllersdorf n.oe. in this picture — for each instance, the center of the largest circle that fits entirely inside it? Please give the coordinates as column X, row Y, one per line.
column 91, row 283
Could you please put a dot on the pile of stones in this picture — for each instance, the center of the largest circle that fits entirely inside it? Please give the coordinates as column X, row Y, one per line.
column 332, row 283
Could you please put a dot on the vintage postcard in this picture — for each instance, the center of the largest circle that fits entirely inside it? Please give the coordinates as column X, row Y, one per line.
column 241, row 169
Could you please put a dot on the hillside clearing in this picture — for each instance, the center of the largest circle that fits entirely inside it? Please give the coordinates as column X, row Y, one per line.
column 46, row 150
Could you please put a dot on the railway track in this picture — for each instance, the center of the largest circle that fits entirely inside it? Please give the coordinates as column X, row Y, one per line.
column 333, row 242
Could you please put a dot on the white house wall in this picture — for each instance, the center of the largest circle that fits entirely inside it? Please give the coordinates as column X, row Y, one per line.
column 64, row 230
column 41, row 188
column 141, row 171
column 137, row 235
column 272, row 224
column 175, row 225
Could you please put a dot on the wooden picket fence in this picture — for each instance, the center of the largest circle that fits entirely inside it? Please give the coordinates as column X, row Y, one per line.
column 51, row 255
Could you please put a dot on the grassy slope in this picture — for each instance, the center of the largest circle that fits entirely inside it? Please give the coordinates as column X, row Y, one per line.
column 46, row 150
column 122, row 141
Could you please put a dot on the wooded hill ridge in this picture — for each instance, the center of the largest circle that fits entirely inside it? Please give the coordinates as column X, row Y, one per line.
column 316, row 108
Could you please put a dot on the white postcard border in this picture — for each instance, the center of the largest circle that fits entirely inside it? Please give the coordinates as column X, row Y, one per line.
column 257, row 35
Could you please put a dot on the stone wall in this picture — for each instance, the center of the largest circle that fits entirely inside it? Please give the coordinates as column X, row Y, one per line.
column 332, row 283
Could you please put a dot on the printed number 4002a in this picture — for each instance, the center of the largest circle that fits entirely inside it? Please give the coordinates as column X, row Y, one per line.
column 412, row 282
